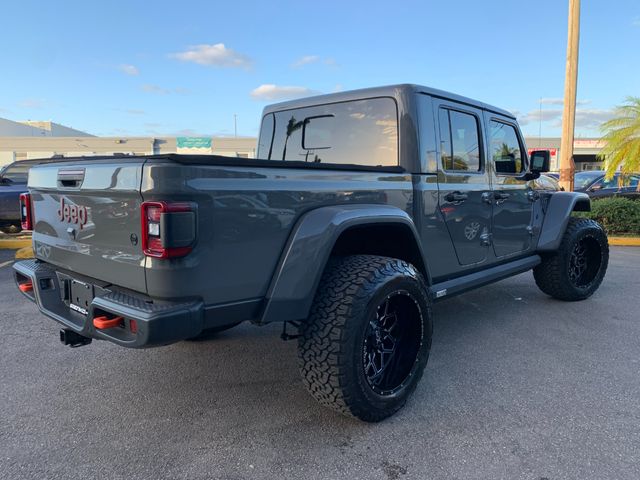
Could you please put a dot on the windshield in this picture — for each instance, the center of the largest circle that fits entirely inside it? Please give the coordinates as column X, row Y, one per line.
column 583, row 179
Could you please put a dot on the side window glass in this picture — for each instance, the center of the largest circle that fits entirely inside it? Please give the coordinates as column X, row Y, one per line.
column 445, row 140
column 505, row 149
column 460, row 144
column 266, row 136
column 613, row 183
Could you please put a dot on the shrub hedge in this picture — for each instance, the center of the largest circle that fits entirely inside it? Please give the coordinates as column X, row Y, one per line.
column 618, row 215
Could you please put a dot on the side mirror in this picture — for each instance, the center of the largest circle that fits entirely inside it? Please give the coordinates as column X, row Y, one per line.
column 596, row 187
column 540, row 160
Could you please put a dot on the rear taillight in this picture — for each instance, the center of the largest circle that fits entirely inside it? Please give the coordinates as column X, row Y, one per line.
column 168, row 229
column 26, row 215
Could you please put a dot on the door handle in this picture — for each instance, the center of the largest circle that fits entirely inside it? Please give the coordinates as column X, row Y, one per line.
column 500, row 197
column 456, row 197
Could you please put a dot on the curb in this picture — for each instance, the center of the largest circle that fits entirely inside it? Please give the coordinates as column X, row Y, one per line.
column 14, row 243
column 625, row 241
column 24, row 252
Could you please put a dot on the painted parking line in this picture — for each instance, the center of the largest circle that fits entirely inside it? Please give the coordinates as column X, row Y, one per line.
column 5, row 264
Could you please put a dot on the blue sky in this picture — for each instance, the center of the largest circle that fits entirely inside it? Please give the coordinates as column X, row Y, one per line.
column 175, row 68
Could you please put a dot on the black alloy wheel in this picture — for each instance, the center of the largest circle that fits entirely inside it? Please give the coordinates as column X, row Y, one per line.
column 392, row 342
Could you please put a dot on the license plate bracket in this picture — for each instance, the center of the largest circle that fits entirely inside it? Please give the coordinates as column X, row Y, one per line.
column 81, row 295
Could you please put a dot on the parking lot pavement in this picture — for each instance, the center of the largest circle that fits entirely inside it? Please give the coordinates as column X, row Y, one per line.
column 518, row 386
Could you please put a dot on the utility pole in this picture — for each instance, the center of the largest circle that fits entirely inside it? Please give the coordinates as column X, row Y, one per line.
column 567, row 166
column 235, row 125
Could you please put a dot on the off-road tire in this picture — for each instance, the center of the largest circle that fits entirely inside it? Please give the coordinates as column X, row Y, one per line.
column 332, row 346
column 212, row 332
column 554, row 275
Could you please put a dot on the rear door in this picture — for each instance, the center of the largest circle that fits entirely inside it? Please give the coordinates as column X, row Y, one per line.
column 512, row 198
column 87, row 219
column 463, row 180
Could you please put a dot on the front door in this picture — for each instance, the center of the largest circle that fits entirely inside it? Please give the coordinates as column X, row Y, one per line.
column 463, row 181
column 512, row 197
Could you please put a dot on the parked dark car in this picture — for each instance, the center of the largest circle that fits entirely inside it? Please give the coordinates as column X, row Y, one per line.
column 13, row 181
column 594, row 184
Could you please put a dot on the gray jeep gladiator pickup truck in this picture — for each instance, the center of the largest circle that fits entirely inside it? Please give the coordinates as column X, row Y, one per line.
column 362, row 209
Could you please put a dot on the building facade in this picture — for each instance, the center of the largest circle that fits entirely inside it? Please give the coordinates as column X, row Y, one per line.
column 585, row 151
column 27, row 140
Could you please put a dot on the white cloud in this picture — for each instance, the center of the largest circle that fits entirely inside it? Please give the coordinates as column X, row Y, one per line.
column 270, row 91
column 534, row 116
column 592, row 118
column 309, row 59
column 158, row 90
column 306, row 60
column 587, row 118
column 560, row 101
column 33, row 103
column 551, row 101
column 129, row 69
column 214, row 56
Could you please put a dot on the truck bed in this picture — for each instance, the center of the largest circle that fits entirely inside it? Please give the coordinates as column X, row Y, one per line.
column 246, row 210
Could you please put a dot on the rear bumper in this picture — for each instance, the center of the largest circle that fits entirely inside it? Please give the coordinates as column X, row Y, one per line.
column 156, row 322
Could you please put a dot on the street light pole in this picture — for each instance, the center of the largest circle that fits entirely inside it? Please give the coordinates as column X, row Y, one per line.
column 235, row 125
column 567, row 167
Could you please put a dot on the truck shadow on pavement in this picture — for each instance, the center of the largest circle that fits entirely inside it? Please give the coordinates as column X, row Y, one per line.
column 248, row 376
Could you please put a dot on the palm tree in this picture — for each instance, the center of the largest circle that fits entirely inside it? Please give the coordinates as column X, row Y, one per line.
column 621, row 136
column 292, row 126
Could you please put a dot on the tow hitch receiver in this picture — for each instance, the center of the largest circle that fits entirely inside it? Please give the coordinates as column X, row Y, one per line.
column 73, row 339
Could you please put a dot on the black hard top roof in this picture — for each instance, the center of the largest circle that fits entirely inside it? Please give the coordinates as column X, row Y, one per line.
column 385, row 91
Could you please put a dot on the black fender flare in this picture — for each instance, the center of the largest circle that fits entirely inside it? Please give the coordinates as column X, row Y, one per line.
column 302, row 262
column 557, row 215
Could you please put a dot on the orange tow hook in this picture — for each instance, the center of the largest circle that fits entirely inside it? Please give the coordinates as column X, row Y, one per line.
column 26, row 287
column 102, row 323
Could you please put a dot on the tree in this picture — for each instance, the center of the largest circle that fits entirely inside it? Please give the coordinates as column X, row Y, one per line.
column 621, row 136
column 292, row 126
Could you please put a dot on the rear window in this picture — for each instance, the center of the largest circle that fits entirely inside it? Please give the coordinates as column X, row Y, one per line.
column 361, row 132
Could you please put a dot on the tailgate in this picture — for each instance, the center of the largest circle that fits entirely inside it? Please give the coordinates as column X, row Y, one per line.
column 86, row 218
